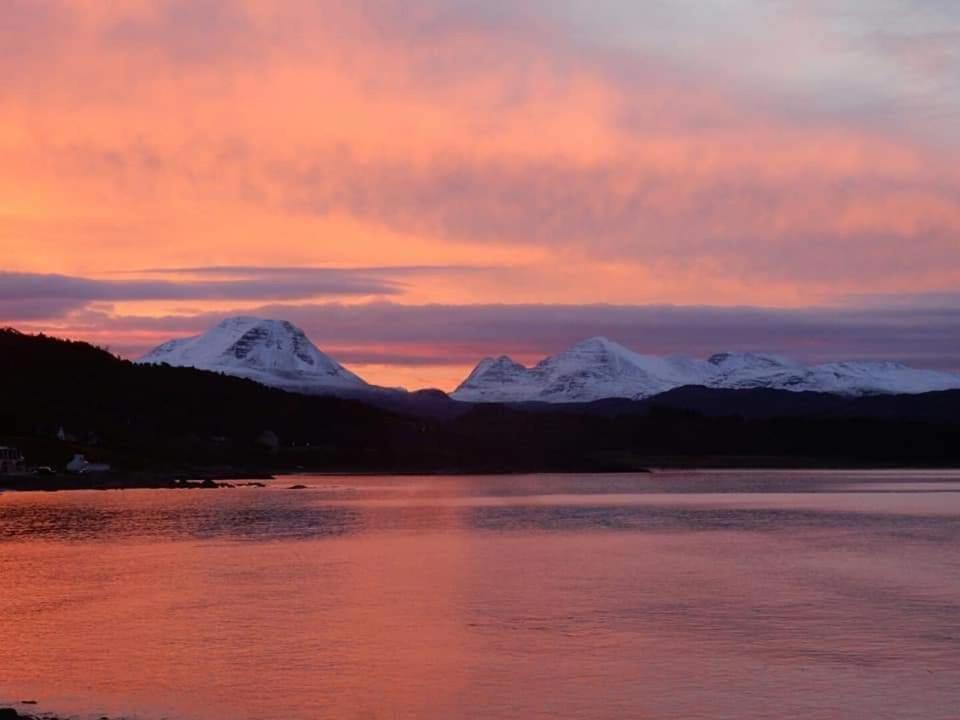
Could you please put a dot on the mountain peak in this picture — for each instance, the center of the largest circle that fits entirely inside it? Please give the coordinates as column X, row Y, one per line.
column 501, row 363
column 272, row 352
column 241, row 322
column 599, row 343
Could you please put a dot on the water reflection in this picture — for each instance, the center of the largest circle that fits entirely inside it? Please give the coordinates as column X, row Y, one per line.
column 746, row 596
column 164, row 515
column 372, row 505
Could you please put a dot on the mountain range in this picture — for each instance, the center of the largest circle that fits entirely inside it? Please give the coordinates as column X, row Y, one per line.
column 64, row 398
column 278, row 354
column 599, row 368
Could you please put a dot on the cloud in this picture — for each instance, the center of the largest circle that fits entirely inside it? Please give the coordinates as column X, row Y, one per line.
column 37, row 296
column 885, row 63
column 187, row 31
column 946, row 302
column 17, row 310
column 385, row 271
column 252, row 286
column 798, row 221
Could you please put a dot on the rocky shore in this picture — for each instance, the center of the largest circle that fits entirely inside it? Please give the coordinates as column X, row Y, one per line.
column 8, row 713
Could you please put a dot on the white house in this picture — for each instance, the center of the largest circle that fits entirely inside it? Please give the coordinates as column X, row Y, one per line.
column 80, row 465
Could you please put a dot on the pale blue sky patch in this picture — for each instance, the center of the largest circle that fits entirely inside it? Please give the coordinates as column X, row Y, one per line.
column 894, row 62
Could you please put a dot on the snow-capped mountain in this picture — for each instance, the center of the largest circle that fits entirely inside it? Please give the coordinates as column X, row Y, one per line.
column 599, row 368
column 271, row 352
column 593, row 369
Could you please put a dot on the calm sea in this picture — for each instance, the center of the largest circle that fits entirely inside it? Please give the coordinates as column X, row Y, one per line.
column 670, row 596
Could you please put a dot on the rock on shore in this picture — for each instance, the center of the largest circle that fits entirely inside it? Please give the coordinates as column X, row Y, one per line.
column 7, row 713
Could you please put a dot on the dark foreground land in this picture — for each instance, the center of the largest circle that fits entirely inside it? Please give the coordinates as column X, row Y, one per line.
column 158, row 424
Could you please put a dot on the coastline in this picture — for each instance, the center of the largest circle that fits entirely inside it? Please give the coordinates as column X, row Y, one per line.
column 9, row 713
column 229, row 478
column 198, row 480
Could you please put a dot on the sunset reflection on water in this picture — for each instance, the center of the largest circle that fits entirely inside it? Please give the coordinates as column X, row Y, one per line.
column 559, row 597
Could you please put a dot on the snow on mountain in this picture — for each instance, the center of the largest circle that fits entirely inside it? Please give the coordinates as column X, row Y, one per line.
column 873, row 378
column 498, row 380
column 599, row 368
column 271, row 352
column 756, row 370
column 279, row 354
column 593, row 369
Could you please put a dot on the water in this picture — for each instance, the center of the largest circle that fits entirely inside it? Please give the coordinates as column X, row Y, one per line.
column 677, row 595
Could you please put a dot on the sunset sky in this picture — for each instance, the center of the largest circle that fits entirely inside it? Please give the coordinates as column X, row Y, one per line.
column 421, row 184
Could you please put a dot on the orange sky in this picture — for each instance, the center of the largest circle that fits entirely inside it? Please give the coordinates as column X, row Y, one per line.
column 562, row 169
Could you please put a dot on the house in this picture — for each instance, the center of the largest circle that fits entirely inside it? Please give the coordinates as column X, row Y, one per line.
column 80, row 466
column 11, row 461
column 64, row 436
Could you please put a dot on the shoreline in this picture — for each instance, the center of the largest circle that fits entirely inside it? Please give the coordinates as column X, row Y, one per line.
column 222, row 478
column 198, row 480
column 11, row 713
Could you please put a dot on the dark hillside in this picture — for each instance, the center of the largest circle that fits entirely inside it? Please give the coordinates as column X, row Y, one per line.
column 145, row 416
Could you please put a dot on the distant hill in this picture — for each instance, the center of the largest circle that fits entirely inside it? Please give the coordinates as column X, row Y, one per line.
column 60, row 397
column 762, row 403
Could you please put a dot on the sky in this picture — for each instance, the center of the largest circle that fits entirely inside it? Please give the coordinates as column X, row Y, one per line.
column 422, row 184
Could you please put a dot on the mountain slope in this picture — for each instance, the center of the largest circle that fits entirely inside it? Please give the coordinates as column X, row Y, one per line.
column 271, row 352
column 599, row 369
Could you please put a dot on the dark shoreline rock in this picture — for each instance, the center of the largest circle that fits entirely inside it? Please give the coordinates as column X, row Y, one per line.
column 11, row 714
column 8, row 713
column 200, row 479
